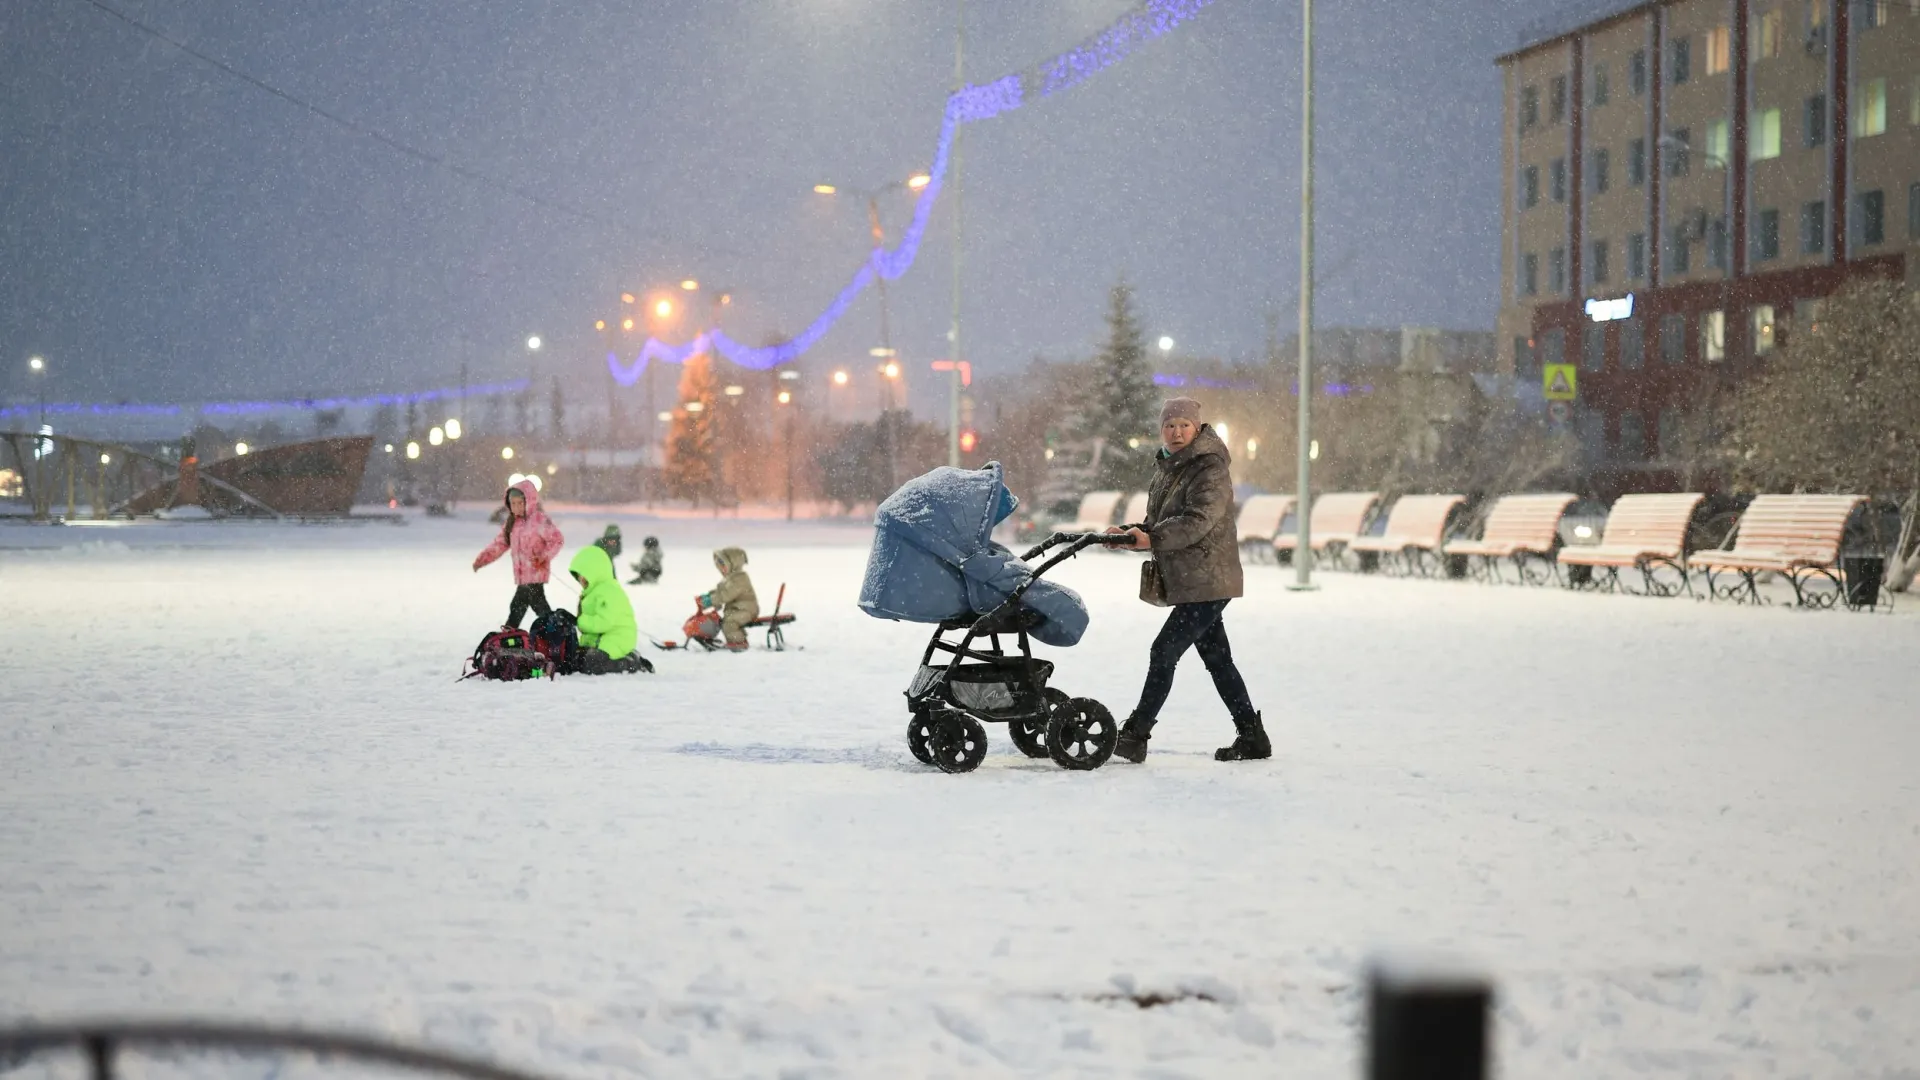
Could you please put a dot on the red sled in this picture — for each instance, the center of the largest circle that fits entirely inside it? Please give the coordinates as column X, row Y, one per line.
column 702, row 628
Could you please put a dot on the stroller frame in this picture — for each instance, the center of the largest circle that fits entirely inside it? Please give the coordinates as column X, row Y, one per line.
column 946, row 726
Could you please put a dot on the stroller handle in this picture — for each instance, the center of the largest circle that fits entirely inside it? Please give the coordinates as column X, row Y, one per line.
column 1080, row 541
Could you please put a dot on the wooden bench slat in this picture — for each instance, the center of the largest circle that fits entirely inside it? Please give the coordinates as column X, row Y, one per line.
column 1337, row 517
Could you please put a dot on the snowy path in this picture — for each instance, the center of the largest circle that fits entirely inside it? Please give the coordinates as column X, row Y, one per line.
column 237, row 778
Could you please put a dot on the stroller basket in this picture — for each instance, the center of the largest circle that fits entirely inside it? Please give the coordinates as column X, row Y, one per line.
column 995, row 690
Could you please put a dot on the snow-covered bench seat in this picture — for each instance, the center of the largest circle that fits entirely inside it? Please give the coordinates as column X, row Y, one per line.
column 1796, row 536
column 1521, row 528
column 1647, row 533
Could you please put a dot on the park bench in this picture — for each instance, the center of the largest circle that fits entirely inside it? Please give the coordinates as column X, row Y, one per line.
column 1523, row 529
column 1647, row 533
column 1337, row 519
column 1795, row 536
column 1260, row 518
column 1416, row 527
column 1136, row 509
column 1096, row 512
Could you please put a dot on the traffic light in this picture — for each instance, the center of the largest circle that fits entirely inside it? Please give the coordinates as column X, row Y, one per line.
column 969, row 439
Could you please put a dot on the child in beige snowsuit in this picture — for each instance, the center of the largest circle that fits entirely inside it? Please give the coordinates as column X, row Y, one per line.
column 734, row 596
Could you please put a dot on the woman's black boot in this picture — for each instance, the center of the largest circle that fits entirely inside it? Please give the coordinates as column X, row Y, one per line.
column 1132, row 743
column 1250, row 742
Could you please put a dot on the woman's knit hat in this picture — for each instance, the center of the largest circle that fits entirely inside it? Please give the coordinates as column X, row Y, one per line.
column 1180, row 408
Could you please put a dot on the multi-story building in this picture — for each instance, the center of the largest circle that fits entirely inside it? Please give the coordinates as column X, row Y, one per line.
column 1683, row 178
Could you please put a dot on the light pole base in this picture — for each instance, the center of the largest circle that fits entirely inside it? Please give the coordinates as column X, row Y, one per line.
column 1308, row 587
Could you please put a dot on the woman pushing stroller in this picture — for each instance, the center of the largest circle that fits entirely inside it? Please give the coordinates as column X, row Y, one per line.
column 1191, row 534
column 533, row 540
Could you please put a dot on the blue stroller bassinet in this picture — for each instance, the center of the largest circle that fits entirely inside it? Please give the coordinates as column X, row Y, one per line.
column 934, row 561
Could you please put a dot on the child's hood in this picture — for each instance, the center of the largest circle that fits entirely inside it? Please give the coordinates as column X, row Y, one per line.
column 593, row 565
column 732, row 560
column 532, row 494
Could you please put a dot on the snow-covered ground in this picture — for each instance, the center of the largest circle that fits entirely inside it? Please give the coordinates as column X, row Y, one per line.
column 237, row 778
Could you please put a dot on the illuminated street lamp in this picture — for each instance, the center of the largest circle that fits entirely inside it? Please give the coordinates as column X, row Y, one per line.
column 453, row 428
column 663, row 309
column 1166, row 344
column 696, row 406
column 690, row 285
column 840, row 378
column 506, row 453
column 533, row 343
column 413, row 451
column 240, row 449
column 436, row 436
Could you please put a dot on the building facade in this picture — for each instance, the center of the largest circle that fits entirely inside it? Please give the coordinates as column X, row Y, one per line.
column 1724, row 164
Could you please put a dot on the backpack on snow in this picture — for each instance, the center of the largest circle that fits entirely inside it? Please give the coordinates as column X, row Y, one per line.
column 507, row 655
column 556, row 635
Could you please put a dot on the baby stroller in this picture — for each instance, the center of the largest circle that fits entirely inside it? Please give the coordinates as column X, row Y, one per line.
column 933, row 562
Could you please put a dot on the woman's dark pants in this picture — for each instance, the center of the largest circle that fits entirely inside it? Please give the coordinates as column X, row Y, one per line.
column 1197, row 626
column 527, row 596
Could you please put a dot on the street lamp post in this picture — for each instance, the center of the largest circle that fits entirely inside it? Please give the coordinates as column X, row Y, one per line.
column 1303, row 549
column 1726, row 230
column 953, row 173
column 38, row 366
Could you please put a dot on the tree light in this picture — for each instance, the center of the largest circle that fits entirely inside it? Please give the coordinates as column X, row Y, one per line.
column 968, row 440
column 389, row 448
column 696, row 406
column 1253, row 449
column 453, row 428
column 626, row 324
column 551, row 469
column 413, row 450
column 506, row 453
column 666, row 415
column 436, row 437
column 892, row 370
column 735, row 391
column 599, row 324
column 240, row 449
column 1313, row 450
column 626, row 298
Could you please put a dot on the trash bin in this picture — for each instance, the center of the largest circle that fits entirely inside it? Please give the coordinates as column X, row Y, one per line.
column 1579, row 575
column 1456, row 566
column 1863, row 575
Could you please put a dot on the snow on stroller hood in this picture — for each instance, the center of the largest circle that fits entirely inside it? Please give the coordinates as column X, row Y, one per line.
column 933, row 560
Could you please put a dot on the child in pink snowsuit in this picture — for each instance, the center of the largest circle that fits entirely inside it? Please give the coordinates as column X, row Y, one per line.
column 534, row 540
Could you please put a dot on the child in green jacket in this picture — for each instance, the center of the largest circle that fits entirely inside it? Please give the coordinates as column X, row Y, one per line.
column 608, row 632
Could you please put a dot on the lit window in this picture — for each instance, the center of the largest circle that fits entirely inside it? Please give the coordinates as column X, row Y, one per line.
column 1763, row 135
column 1713, row 336
column 1719, row 40
column 1873, row 13
column 1762, row 329
column 1719, row 144
column 1870, row 109
column 1767, row 34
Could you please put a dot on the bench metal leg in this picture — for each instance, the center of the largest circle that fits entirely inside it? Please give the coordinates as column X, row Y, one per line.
column 1674, row 581
column 1819, row 599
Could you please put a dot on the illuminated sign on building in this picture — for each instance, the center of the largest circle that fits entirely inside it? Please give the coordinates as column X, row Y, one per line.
column 1610, row 310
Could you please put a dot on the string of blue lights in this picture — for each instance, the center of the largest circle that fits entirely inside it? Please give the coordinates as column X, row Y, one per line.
column 969, row 105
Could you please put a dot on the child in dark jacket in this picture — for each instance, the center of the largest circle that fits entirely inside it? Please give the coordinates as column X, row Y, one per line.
column 647, row 570
column 533, row 540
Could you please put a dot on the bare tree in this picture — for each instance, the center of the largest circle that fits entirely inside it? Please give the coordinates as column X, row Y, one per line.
column 1839, row 409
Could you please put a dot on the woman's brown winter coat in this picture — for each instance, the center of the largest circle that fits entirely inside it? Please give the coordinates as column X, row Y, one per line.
column 1191, row 519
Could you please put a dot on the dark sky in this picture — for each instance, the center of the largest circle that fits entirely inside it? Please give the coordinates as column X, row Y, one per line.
column 169, row 231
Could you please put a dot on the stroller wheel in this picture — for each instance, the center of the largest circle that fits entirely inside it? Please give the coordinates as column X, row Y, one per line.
column 919, row 735
column 959, row 743
column 1030, row 733
column 1081, row 734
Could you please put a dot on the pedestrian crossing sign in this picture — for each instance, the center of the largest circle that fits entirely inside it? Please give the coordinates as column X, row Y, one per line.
column 1560, row 382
